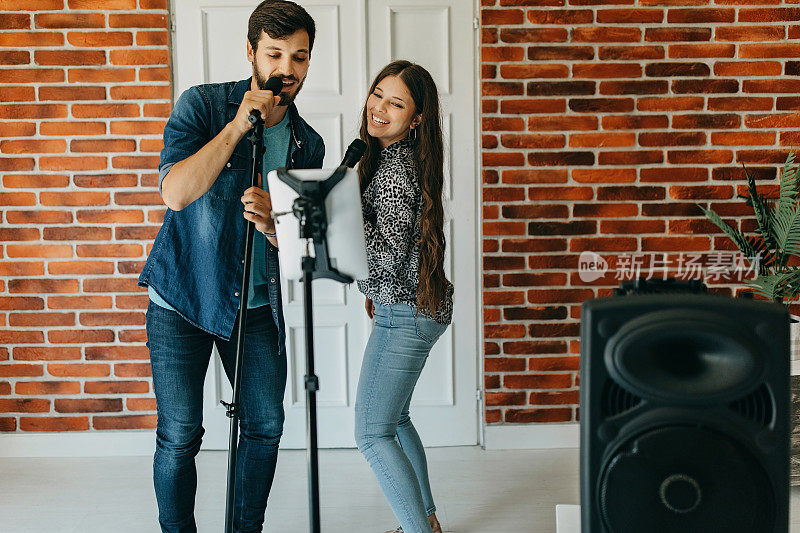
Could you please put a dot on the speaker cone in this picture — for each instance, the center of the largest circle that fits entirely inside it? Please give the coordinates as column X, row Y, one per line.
column 684, row 480
column 684, row 359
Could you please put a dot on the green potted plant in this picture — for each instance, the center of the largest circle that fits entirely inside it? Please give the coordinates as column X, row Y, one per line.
column 774, row 247
column 777, row 241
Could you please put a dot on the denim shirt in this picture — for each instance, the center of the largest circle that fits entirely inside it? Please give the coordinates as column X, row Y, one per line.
column 197, row 259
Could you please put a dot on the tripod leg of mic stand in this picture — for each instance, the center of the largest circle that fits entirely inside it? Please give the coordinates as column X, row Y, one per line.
column 312, row 385
column 233, row 414
column 231, row 489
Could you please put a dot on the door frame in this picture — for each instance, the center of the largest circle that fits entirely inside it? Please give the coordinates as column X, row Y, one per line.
column 178, row 77
column 478, row 228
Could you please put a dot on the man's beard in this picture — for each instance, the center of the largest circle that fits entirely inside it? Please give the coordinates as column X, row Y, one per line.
column 286, row 98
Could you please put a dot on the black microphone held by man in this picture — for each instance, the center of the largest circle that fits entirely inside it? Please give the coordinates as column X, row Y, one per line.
column 274, row 84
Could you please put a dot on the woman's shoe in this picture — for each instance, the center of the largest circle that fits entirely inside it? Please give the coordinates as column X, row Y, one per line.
column 435, row 525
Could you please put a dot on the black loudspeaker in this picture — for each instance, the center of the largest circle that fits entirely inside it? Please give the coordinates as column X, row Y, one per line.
column 684, row 415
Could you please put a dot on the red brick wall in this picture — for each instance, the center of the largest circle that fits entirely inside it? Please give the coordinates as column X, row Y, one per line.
column 86, row 92
column 604, row 121
column 603, row 124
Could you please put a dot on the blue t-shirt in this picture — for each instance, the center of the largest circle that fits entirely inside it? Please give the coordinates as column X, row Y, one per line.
column 276, row 146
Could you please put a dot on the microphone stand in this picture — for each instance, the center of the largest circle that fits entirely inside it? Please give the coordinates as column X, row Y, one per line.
column 309, row 208
column 232, row 409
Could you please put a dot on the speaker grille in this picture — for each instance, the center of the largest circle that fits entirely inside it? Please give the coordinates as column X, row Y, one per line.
column 756, row 406
column 685, row 479
column 617, row 400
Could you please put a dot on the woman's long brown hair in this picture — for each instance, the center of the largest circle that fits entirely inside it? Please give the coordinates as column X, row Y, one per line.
column 429, row 157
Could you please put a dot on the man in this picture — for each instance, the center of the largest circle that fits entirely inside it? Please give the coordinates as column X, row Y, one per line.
column 194, row 270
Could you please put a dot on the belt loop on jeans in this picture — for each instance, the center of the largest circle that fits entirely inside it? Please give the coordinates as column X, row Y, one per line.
column 391, row 315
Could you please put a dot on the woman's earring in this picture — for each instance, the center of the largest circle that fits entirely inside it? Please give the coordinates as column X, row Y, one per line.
column 413, row 134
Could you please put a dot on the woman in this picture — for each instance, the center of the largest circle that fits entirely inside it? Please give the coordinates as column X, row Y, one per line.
column 407, row 293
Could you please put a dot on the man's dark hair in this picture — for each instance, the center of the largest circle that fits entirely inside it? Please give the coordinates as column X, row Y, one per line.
column 279, row 18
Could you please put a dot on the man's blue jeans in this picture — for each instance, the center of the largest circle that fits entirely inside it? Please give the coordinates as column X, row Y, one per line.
column 179, row 356
column 393, row 360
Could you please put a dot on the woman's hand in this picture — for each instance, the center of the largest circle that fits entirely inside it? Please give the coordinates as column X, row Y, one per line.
column 257, row 208
column 370, row 307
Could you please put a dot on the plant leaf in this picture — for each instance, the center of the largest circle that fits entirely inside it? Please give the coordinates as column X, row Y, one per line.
column 783, row 285
column 789, row 173
column 788, row 183
column 787, row 233
column 768, row 259
column 761, row 208
column 784, row 213
column 736, row 236
column 788, row 190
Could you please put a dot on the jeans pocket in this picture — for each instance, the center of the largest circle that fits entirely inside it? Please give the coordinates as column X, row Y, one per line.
column 427, row 329
column 382, row 315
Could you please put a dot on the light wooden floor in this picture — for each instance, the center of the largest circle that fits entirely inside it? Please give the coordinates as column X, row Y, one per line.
column 477, row 491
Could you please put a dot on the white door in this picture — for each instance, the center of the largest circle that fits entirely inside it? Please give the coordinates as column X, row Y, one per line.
column 439, row 35
column 355, row 38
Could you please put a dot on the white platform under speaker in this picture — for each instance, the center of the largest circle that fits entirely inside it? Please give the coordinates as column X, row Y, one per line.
column 568, row 518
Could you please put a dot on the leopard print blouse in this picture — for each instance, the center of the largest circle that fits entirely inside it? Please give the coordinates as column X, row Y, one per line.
column 391, row 205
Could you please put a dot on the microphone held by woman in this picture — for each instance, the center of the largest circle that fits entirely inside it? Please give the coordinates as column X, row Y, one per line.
column 354, row 153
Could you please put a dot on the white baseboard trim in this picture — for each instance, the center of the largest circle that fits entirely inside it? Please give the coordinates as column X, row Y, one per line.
column 533, row 436
column 90, row 444
column 122, row 443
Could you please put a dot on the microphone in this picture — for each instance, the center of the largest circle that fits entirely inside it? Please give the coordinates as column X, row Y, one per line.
column 274, row 84
column 354, row 153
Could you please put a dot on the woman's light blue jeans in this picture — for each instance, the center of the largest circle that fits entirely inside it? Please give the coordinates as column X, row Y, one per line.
column 393, row 360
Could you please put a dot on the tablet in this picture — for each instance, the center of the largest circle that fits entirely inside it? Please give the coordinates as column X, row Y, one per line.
column 346, row 246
